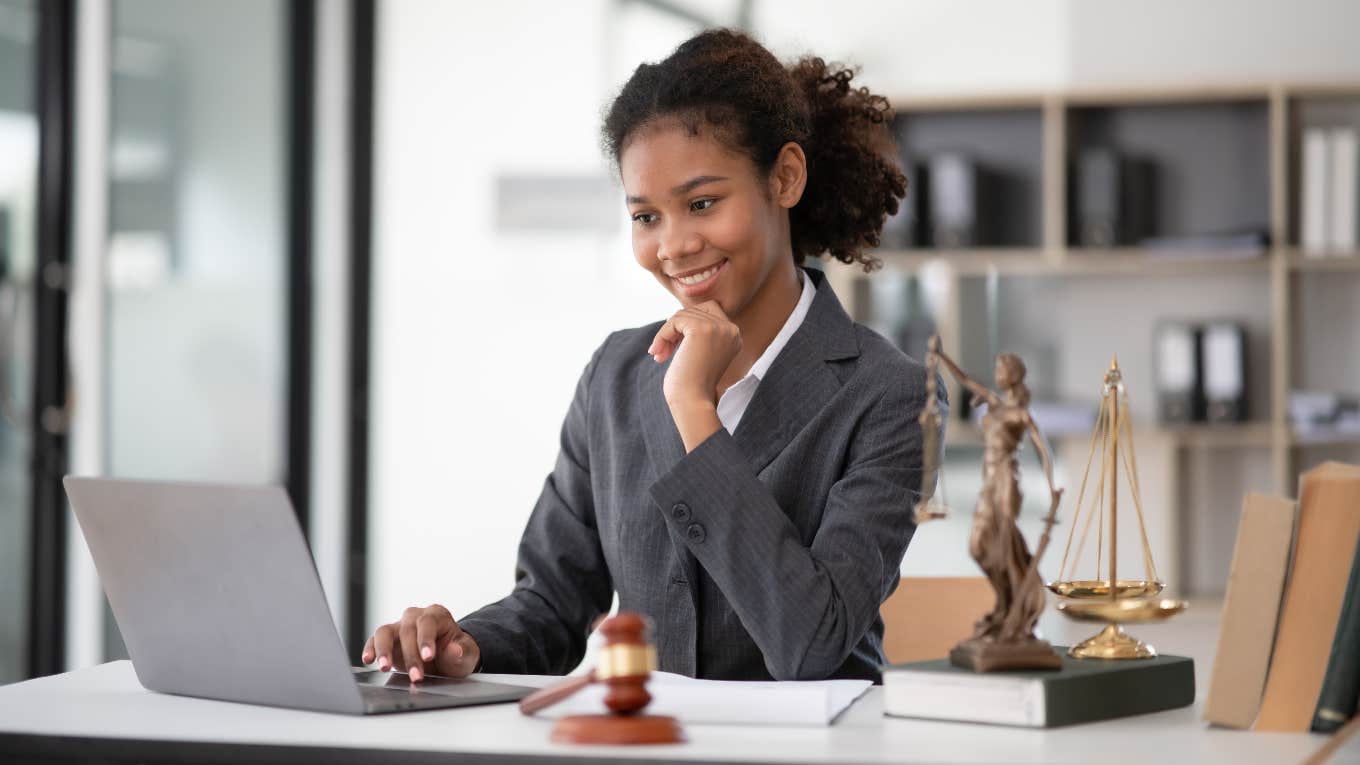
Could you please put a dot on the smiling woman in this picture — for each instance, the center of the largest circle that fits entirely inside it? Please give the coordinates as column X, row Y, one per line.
column 763, row 521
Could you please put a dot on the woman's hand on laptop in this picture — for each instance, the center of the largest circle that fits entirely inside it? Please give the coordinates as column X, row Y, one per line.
column 427, row 641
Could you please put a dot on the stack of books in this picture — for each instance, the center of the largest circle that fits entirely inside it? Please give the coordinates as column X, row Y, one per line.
column 1083, row 690
column 1292, row 663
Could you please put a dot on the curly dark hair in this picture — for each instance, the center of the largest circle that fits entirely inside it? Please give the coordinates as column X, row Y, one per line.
column 726, row 81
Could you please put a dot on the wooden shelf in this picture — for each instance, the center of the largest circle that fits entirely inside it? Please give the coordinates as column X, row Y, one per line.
column 1246, row 435
column 1133, row 260
column 1250, row 435
column 1153, row 95
column 1325, row 90
column 965, row 103
column 1298, row 440
column 1338, row 261
column 1006, row 260
column 1022, row 261
column 1265, row 117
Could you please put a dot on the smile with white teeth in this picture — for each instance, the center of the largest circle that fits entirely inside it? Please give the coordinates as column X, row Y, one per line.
column 699, row 277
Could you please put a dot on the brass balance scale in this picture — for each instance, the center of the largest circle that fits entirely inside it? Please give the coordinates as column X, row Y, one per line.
column 1111, row 600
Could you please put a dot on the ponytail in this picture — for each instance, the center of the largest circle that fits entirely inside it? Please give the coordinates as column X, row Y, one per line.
column 854, row 182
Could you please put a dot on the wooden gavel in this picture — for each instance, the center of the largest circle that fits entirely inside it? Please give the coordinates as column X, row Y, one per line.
column 625, row 664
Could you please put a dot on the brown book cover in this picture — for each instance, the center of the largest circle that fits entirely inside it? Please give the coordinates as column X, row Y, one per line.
column 925, row 616
column 1329, row 525
column 1251, row 609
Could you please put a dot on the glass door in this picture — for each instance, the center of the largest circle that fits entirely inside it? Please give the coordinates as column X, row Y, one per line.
column 18, row 202
column 197, row 259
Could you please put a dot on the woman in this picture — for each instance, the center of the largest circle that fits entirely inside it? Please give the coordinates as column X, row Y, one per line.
column 743, row 472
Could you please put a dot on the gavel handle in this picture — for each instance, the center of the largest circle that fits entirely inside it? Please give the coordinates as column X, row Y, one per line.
column 546, row 697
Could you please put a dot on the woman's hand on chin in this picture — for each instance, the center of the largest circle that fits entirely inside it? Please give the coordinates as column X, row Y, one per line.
column 703, row 341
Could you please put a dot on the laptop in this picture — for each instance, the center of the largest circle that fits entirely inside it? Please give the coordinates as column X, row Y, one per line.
column 217, row 596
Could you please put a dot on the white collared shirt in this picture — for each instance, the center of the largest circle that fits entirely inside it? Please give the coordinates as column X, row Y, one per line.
column 732, row 403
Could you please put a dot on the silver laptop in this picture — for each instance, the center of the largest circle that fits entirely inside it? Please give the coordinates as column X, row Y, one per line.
column 217, row 596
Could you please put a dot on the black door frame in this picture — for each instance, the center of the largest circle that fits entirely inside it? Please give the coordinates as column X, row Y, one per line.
column 54, row 94
column 302, row 159
column 363, row 23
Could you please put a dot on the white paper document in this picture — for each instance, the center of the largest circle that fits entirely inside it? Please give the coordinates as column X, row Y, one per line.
column 736, row 702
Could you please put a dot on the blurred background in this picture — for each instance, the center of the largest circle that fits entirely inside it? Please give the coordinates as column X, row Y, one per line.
column 364, row 249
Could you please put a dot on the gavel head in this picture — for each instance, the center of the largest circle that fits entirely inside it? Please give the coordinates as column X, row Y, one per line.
column 626, row 662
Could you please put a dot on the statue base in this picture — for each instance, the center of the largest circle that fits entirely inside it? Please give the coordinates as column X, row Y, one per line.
column 982, row 655
column 617, row 729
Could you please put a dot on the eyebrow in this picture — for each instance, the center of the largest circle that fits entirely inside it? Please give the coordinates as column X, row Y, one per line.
column 687, row 186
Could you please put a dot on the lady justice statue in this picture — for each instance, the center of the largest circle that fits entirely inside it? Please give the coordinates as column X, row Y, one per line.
column 1004, row 638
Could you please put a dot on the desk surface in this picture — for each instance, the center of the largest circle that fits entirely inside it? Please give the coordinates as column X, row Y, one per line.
column 104, row 710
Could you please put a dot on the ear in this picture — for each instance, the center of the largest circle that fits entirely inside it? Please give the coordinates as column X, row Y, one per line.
column 788, row 177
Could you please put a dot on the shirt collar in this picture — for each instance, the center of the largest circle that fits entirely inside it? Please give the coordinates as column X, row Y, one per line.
column 762, row 364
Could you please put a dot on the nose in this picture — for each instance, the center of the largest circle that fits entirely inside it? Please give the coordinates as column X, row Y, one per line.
column 678, row 241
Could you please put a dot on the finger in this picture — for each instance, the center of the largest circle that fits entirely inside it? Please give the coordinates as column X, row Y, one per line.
column 712, row 308
column 382, row 646
column 458, row 656
column 406, row 635
column 678, row 327
column 665, row 340
column 428, row 629
column 367, row 655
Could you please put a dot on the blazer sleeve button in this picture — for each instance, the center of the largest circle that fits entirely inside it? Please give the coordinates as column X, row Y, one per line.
column 696, row 533
column 680, row 512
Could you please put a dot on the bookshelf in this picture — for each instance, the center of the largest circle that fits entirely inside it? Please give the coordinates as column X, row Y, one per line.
column 1227, row 158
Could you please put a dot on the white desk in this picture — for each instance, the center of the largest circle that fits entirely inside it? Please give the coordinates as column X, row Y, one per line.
column 104, row 712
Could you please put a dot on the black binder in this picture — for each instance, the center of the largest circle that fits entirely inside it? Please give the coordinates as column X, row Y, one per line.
column 1179, row 372
column 1112, row 198
column 962, row 201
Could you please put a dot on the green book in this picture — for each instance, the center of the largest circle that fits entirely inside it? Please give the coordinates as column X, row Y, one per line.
column 1084, row 690
column 1341, row 684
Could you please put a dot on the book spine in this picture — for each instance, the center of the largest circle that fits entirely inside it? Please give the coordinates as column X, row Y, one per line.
column 1344, row 210
column 1103, row 696
column 1341, row 685
column 1316, row 185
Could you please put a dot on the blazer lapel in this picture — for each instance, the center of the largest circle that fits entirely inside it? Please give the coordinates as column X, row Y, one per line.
column 801, row 380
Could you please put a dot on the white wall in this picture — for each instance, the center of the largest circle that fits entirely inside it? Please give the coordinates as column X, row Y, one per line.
column 939, row 46
column 1251, row 41
column 479, row 337
column 953, row 46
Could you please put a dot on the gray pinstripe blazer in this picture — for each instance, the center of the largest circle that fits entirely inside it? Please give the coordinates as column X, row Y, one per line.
column 763, row 553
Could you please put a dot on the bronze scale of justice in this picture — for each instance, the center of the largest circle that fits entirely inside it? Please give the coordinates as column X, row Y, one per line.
column 1004, row 638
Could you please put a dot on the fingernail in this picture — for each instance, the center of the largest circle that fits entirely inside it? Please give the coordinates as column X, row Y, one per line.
column 457, row 650
column 382, row 663
column 414, row 673
column 426, row 653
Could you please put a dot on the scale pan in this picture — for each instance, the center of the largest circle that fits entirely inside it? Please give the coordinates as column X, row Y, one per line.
column 1100, row 588
column 1122, row 611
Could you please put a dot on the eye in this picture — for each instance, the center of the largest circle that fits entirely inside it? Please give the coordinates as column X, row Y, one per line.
column 707, row 201
column 640, row 216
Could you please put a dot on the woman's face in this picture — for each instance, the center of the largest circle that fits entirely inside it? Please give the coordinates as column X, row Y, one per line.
column 703, row 223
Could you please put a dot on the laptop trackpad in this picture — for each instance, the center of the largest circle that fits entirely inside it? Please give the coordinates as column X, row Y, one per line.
column 436, row 685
